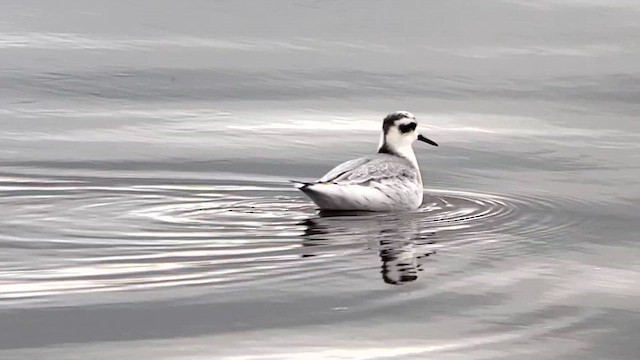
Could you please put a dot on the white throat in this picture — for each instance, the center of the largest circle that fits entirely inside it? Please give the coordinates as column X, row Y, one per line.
column 407, row 152
column 404, row 149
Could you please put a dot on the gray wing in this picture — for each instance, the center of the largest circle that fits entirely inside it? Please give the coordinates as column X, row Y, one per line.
column 371, row 168
column 345, row 168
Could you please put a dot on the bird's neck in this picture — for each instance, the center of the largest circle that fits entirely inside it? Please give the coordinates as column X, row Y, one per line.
column 405, row 151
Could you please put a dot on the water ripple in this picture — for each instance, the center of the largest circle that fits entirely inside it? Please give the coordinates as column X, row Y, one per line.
column 72, row 237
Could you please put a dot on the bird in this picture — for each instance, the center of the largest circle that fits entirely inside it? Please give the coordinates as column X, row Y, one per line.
column 387, row 181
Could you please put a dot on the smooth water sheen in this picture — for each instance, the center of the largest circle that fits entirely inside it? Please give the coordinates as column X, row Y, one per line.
column 146, row 152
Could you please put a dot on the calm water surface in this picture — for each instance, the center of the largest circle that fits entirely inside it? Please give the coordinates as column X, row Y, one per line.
column 145, row 151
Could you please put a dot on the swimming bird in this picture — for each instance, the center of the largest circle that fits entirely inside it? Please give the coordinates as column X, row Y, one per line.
column 389, row 180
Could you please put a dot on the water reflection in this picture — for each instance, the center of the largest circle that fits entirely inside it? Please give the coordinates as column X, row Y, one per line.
column 403, row 241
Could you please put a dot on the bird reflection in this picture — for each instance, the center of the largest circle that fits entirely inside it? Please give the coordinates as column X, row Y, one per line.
column 401, row 243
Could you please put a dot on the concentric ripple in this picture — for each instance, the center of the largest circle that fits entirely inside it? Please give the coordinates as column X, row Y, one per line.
column 73, row 238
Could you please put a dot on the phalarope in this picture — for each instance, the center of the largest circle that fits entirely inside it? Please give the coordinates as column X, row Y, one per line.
column 387, row 181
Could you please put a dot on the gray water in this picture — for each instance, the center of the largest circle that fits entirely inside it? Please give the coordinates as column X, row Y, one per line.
column 145, row 149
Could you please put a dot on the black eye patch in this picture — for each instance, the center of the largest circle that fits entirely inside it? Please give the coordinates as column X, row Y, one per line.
column 405, row 128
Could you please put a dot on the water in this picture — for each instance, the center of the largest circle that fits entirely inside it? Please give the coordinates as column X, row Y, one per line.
column 145, row 151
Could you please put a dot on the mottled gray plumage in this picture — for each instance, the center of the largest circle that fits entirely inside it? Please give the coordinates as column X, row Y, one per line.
column 375, row 167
